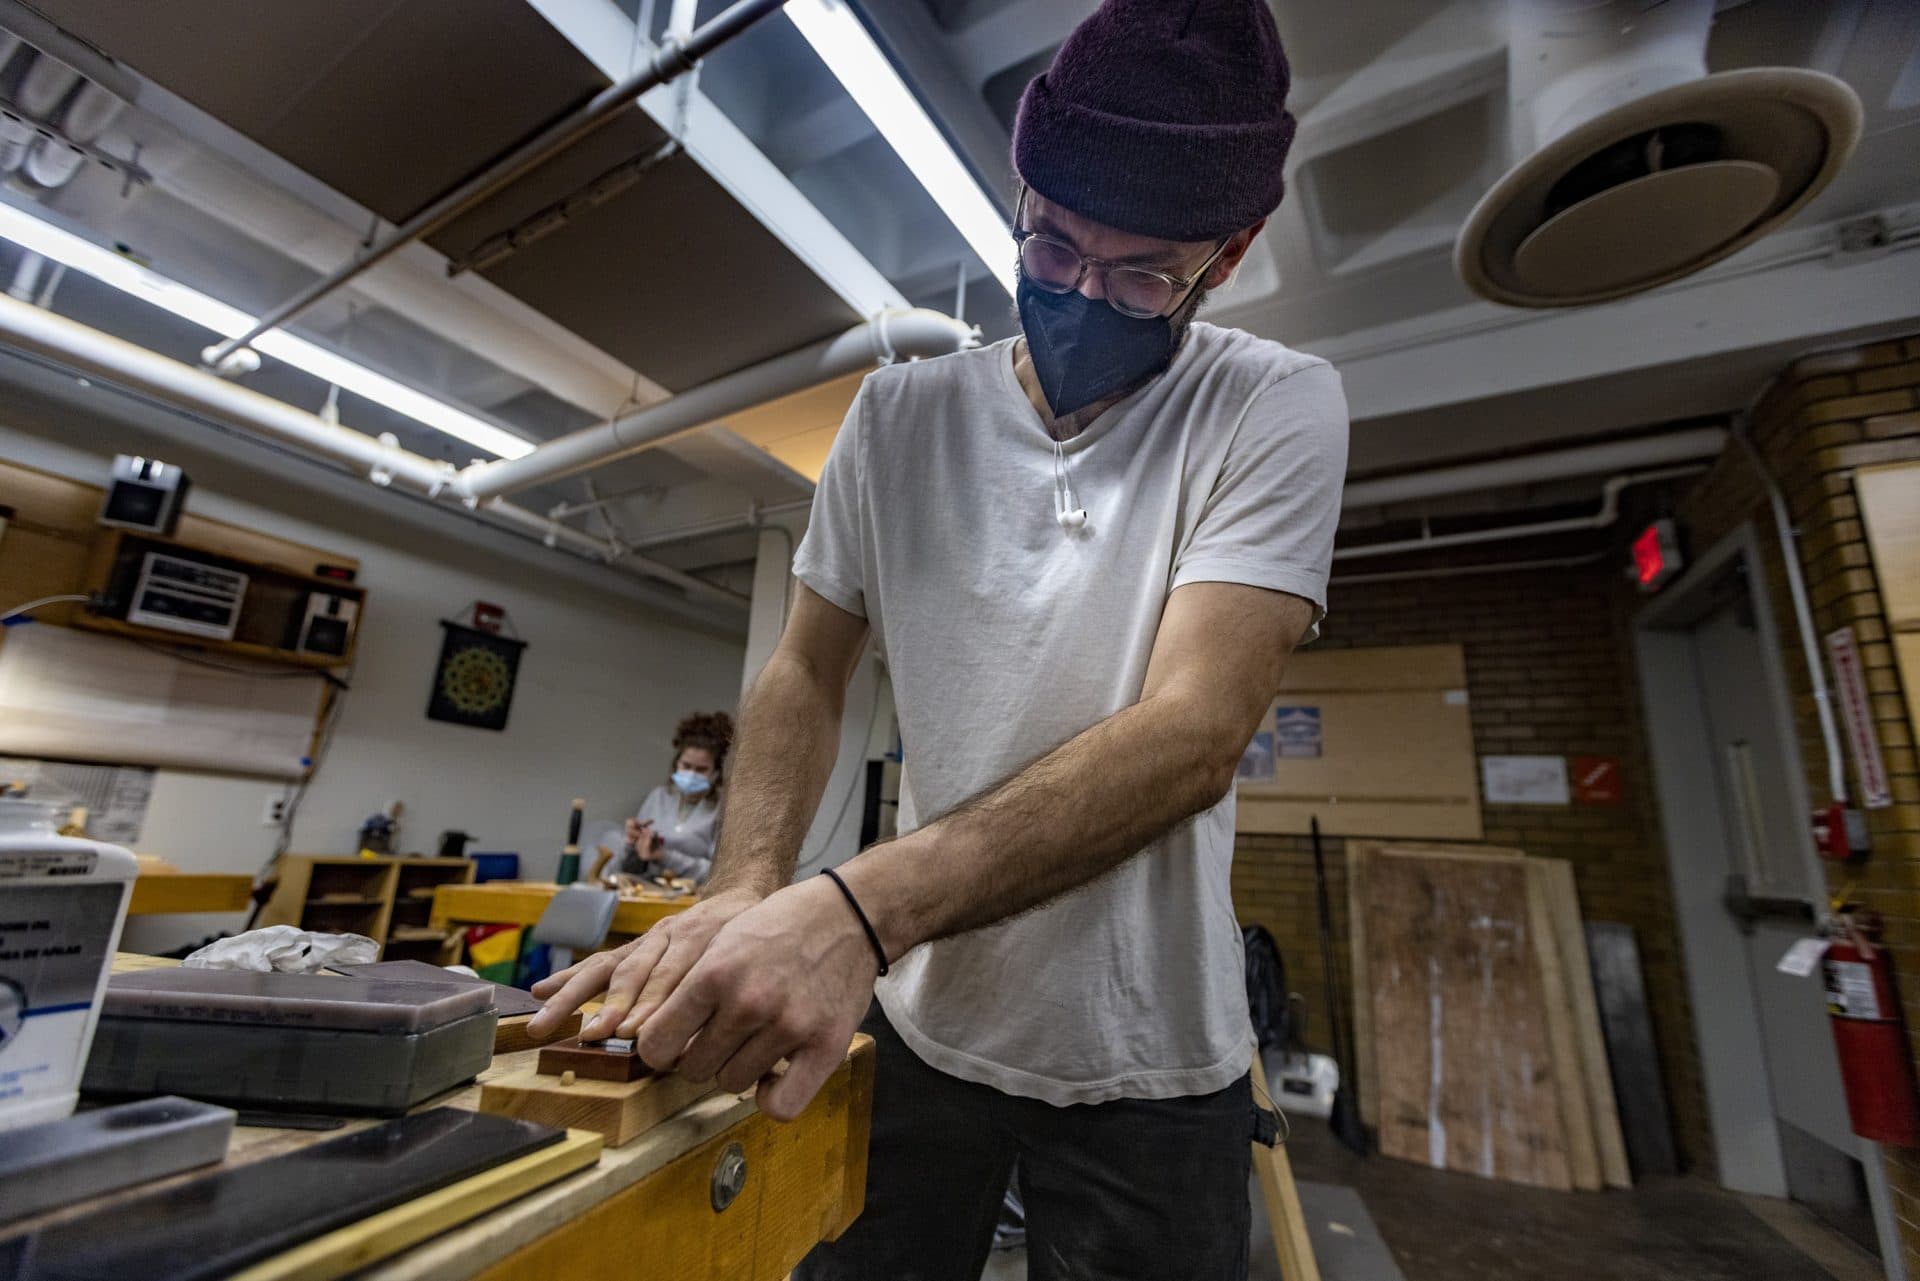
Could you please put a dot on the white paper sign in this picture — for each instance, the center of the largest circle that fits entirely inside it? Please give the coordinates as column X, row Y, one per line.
column 1525, row 780
column 1802, row 957
column 115, row 796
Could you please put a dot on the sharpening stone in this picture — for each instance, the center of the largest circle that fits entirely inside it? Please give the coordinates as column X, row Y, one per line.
column 507, row 1001
column 299, row 1069
column 326, row 1001
column 215, row 1226
column 88, row 1153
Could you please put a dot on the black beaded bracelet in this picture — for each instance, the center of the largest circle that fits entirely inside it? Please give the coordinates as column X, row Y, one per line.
column 880, row 953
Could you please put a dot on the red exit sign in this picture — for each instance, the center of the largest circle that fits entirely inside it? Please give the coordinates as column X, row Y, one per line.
column 1656, row 555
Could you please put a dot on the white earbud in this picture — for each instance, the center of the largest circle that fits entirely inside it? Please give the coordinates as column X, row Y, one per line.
column 1067, row 510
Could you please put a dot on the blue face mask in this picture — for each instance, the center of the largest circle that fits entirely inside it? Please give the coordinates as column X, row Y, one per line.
column 690, row 783
column 1083, row 350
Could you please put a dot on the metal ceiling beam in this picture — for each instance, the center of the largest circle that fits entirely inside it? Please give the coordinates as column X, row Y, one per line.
column 607, row 37
column 673, row 59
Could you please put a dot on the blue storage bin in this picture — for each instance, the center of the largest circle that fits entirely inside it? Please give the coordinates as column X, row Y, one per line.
column 496, row 867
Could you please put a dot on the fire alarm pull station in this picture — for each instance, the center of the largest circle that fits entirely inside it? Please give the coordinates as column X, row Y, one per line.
column 1840, row 833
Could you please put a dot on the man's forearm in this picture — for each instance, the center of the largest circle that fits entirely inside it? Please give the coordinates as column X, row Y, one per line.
column 789, row 736
column 1078, row 811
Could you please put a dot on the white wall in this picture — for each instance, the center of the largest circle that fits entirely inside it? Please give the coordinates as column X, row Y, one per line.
column 603, row 680
column 867, row 729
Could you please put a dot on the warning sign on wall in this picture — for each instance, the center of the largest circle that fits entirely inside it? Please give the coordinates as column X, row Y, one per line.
column 1596, row 780
column 1856, row 712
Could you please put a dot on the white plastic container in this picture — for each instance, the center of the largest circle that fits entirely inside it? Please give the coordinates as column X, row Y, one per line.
column 1307, row 1084
column 62, row 903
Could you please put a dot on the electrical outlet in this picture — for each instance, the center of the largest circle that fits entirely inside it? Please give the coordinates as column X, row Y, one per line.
column 275, row 812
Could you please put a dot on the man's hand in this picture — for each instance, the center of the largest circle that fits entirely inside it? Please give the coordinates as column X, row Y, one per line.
column 636, row 976
column 787, row 979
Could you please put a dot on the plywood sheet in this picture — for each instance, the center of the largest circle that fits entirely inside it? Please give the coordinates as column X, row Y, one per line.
column 1395, row 755
column 1360, row 855
column 1460, row 1029
column 1388, row 667
column 1569, row 1078
column 1890, row 509
column 1563, row 902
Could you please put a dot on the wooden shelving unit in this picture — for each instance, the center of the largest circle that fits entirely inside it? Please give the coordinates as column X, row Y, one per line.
column 389, row 899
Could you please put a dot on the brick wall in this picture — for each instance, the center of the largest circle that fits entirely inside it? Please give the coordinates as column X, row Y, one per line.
column 1825, row 416
column 1548, row 673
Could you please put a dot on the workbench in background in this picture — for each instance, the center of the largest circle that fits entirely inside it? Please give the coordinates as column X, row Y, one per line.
column 522, row 902
column 165, row 893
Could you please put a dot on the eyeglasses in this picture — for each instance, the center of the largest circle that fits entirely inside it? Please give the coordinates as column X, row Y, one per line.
column 1137, row 292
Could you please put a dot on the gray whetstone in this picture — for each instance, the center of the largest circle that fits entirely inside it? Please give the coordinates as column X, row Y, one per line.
column 292, row 1000
column 507, row 1001
column 89, row 1153
column 1631, row 1054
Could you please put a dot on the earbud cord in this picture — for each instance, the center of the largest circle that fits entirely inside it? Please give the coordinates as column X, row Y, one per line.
column 1064, row 501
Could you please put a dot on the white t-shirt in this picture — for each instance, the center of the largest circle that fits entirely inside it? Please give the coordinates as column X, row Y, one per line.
column 1006, row 635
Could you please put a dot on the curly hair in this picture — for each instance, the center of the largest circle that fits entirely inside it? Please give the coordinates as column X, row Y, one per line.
column 710, row 731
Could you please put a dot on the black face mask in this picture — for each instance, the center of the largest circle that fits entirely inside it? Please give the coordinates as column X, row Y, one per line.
column 1084, row 351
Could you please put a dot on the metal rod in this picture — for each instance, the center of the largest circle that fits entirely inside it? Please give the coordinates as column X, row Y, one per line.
column 1802, row 608
column 670, row 61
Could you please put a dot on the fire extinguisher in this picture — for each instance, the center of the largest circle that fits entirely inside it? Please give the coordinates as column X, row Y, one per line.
column 1869, row 1034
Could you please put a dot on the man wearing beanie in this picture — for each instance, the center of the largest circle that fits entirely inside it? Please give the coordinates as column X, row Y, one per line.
column 1086, row 555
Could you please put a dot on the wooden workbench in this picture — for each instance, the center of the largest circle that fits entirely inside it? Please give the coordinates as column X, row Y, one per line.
column 522, row 902
column 159, row 893
column 644, row 1210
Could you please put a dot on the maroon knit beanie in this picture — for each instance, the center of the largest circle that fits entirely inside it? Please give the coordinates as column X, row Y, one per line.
column 1165, row 118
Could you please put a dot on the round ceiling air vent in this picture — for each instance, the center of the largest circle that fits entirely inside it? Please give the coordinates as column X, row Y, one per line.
column 1658, row 187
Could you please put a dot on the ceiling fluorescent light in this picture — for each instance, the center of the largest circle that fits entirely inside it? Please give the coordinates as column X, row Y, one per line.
column 80, row 254
column 863, row 70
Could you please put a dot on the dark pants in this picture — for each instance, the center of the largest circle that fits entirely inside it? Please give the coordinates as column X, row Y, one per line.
column 1133, row 1188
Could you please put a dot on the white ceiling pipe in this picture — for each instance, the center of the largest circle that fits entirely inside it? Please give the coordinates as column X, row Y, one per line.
column 91, row 113
column 887, row 337
column 45, row 86
column 26, row 277
column 86, row 351
column 554, row 534
column 52, row 163
column 16, row 135
column 1560, row 464
column 1609, row 512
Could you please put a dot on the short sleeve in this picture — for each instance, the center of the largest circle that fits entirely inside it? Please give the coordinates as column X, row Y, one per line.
column 1270, row 519
column 832, row 559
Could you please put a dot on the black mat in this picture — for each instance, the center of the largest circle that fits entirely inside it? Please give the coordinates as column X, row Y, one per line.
column 214, row 1226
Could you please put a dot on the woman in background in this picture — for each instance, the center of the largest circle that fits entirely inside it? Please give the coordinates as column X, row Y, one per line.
column 678, row 822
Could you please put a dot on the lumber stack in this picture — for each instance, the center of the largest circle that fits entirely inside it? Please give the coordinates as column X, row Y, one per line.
column 1478, row 1038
